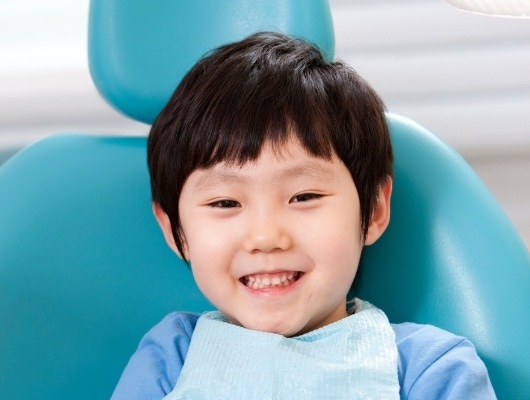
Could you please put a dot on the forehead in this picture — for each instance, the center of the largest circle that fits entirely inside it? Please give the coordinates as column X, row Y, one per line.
column 275, row 163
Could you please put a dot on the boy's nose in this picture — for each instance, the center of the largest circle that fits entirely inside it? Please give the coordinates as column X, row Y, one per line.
column 266, row 235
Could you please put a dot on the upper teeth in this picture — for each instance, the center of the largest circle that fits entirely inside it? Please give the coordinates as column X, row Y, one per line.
column 261, row 281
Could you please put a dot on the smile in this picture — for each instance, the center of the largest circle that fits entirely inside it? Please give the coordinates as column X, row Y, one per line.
column 275, row 280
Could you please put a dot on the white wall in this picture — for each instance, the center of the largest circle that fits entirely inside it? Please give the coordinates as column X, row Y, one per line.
column 465, row 76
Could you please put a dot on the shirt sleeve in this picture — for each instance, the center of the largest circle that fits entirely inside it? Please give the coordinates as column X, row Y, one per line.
column 153, row 369
column 435, row 364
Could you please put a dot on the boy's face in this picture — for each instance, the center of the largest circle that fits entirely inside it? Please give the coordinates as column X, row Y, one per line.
column 274, row 244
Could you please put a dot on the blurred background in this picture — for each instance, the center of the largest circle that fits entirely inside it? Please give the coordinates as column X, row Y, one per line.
column 464, row 76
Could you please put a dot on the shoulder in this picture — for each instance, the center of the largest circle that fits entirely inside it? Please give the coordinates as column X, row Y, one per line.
column 436, row 364
column 415, row 339
column 174, row 326
column 169, row 340
column 154, row 368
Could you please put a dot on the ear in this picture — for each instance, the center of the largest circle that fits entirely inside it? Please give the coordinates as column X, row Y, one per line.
column 165, row 226
column 381, row 214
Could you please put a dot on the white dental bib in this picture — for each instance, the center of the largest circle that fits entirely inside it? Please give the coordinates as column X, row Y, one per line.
column 354, row 358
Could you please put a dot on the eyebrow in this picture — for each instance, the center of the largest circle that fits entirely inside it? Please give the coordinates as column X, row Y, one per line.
column 312, row 170
column 214, row 178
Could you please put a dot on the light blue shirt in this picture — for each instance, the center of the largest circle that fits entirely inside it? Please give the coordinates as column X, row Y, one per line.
column 432, row 363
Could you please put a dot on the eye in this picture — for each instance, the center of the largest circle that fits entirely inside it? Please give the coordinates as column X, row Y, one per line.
column 303, row 197
column 224, row 204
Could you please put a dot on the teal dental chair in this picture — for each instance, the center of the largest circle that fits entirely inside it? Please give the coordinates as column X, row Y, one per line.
column 85, row 272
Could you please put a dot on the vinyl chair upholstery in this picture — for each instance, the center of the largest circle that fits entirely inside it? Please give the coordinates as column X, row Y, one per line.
column 84, row 268
column 451, row 258
column 85, row 272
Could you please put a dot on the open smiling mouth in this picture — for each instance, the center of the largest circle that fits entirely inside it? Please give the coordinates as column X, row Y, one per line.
column 275, row 280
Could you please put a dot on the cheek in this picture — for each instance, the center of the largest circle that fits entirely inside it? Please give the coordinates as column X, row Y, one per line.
column 206, row 239
column 337, row 235
column 210, row 253
column 335, row 249
column 211, row 272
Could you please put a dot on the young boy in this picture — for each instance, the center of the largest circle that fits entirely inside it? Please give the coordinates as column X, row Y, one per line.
column 271, row 168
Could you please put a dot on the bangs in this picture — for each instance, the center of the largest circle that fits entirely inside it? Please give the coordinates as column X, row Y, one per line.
column 251, row 108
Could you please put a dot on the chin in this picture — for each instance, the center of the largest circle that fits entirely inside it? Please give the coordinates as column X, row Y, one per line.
column 278, row 328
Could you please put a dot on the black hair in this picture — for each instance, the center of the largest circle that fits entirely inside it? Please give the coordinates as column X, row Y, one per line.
column 264, row 89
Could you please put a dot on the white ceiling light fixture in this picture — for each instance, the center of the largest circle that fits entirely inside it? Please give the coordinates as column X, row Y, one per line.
column 499, row 8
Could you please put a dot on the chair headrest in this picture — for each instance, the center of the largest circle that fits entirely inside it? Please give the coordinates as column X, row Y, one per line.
column 140, row 50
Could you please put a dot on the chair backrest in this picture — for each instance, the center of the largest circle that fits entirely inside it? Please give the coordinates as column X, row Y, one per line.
column 451, row 258
column 84, row 270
